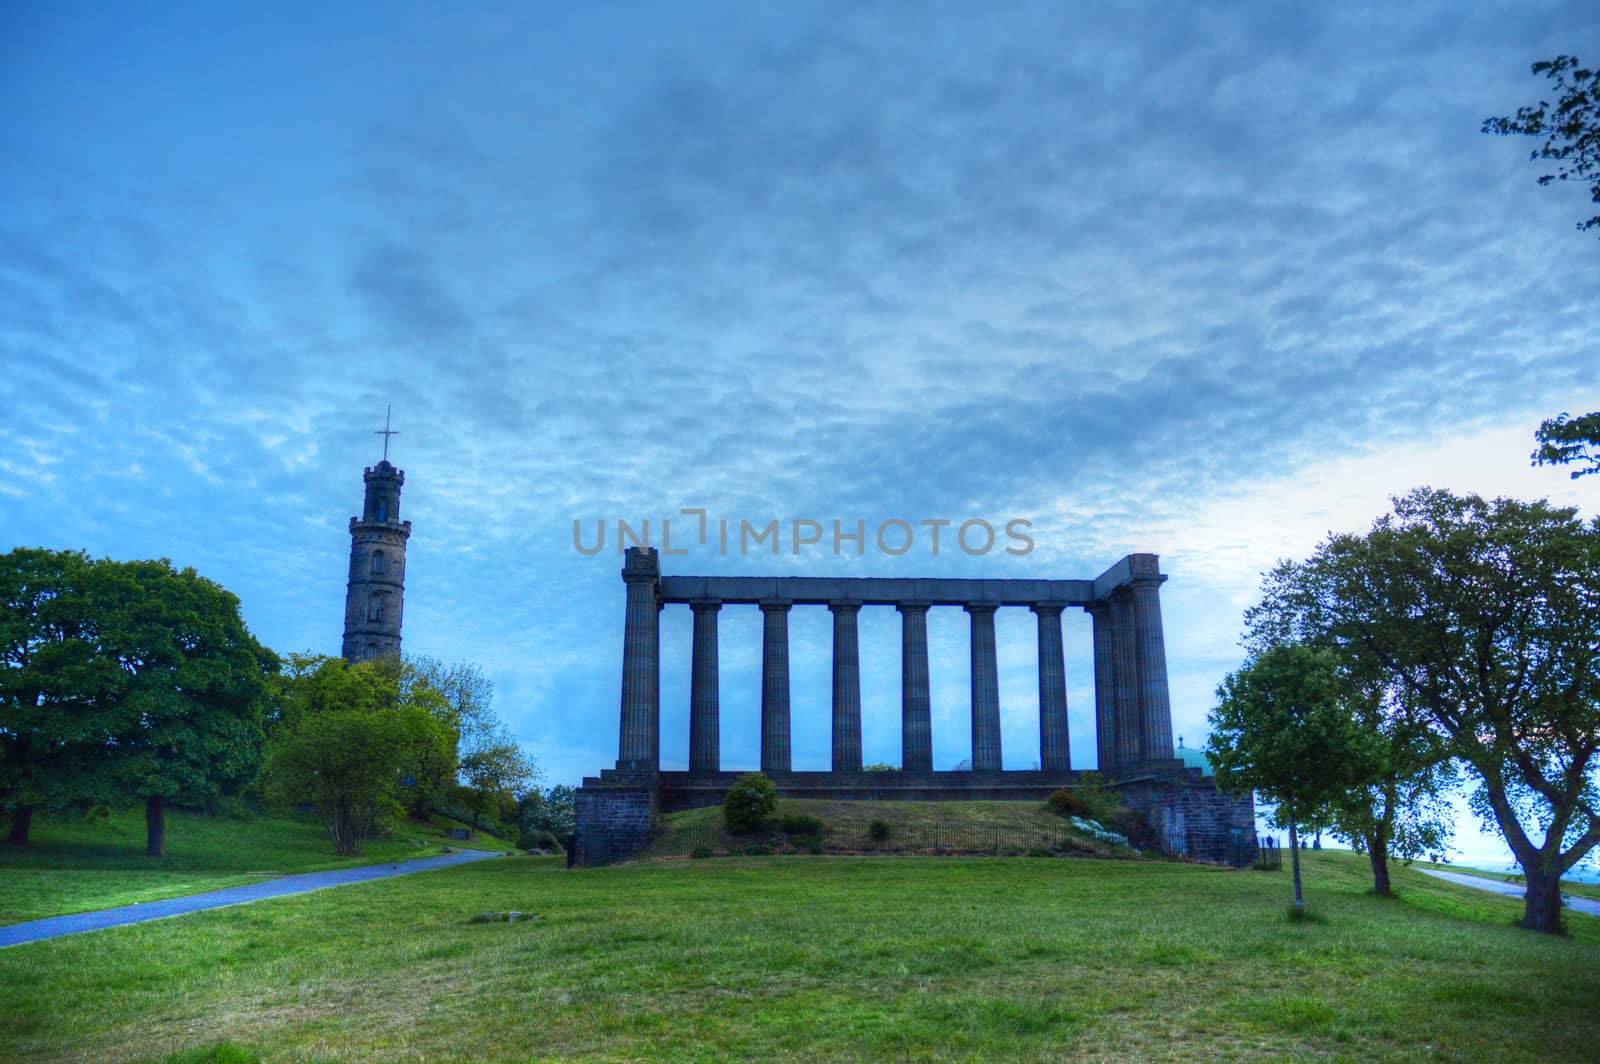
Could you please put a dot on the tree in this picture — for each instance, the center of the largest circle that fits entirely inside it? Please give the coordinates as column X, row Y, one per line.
column 494, row 774
column 121, row 680
column 1571, row 127
column 1282, row 728
column 1566, row 439
column 1487, row 616
column 349, row 748
column 53, row 713
column 550, row 811
column 1402, row 811
column 190, row 685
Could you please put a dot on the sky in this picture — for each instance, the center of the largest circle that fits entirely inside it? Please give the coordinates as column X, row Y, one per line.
column 1204, row 281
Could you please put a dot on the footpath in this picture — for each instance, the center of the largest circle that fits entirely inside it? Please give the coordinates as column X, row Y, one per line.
column 1516, row 890
column 75, row 923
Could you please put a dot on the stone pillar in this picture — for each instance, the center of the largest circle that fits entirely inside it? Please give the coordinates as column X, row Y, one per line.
column 1105, row 686
column 846, row 687
column 639, row 742
column 705, row 754
column 1054, row 752
column 775, row 686
column 985, row 691
column 1155, row 701
column 1125, row 671
column 916, row 708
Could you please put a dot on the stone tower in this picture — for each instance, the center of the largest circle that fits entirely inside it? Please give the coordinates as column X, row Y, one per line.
column 377, row 568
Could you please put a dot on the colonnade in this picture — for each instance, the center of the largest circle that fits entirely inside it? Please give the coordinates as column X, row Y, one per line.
column 1133, row 717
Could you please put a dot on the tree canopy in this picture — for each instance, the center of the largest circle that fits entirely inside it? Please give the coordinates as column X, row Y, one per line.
column 121, row 681
column 1570, row 126
column 1283, row 728
column 1485, row 617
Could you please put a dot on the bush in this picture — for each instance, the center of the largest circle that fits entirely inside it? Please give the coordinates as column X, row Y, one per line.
column 1134, row 826
column 879, row 830
column 700, row 852
column 1064, row 803
column 1100, row 799
column 801, row 824
column 749, row 802
column 539, row 840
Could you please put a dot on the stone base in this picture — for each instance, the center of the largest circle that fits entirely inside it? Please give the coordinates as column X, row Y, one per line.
column 1194, row 819
column 614, row 813
column 613, row 816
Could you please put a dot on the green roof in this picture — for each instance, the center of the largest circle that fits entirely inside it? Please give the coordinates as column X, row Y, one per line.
column 1193, row 758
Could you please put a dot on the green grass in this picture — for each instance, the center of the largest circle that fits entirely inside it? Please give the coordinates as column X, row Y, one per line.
column 75, row 866
column 820, row 957
column 959, row 825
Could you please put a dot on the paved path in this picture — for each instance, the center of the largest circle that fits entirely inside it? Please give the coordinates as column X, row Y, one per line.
column 56, row 926
column 1516, row 890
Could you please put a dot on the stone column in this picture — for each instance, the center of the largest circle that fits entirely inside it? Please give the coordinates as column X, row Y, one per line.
column 1155, row 701
column 985, row 691
column 916, row 709
column 1054, row 753
column 775, row 686
column 639, row 742
column 1105, row 686
column 846, row 687
column 1125, row 670
column 705, row 754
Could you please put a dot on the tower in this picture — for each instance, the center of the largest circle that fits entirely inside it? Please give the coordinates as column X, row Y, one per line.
column 377, row 567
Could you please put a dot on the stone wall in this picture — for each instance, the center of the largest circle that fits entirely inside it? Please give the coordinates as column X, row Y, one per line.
column 1192, row 817
column 612, row 820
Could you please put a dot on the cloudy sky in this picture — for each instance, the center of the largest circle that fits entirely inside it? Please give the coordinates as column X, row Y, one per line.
column 1203, row 281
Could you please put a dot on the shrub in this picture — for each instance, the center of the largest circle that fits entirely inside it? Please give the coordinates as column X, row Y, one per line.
column 1131, row 824
column 539, row 840
column 1064, row 803
column 758, row 851
column 880, row 767
column 700, row 852
column 1100, row 799
column 879, row 830
column 801, row 824
column 749, row 802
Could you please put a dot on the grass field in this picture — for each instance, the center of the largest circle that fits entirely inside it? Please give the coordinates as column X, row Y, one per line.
column 835, row 958
column 73, row 865
column 1013, row 827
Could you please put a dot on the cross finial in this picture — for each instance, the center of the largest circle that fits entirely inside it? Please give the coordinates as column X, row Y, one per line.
column 386, row 431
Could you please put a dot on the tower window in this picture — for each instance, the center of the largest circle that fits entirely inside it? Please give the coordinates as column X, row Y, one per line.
column 375, row 608
column 383, row 509
column 377, row 561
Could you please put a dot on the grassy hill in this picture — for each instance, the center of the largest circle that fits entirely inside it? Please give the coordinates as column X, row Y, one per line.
column 76, row 865
column 822, row 957
column 1008, row 828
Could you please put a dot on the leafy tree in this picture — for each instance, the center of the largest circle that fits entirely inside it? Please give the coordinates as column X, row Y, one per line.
column 54, row 713
column 552, row 811
column 1566, row 439
column 1283, row 728
column 493, row 774
column 189, row 690
column 122, row 680
column 1571, row 127
column 1402, row 811
column 1486, row 616
column 349, row 747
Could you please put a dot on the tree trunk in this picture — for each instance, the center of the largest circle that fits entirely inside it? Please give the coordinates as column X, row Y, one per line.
column 155, row 825
column 1542, row 910
column 21, row 824
column 1378, row 853
column 1294, row 853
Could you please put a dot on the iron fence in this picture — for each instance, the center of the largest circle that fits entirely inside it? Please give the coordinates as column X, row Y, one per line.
column 713, row 839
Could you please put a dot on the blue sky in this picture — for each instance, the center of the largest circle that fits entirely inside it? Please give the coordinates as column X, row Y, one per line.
column 1204, row 281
